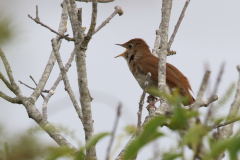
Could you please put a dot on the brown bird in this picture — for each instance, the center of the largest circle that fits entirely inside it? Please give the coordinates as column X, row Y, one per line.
column 140, row 61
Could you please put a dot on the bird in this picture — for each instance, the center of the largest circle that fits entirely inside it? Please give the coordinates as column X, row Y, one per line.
column 141, row 61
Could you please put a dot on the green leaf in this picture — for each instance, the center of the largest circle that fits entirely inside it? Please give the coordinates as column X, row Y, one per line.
column 80, row 155
column 93, row 141
column 194, row 136
column 180, row 118
column 57, row 152
column 149, row 133
column 170, row 156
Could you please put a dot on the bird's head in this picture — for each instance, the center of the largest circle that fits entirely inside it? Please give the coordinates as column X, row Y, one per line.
column 133, row 47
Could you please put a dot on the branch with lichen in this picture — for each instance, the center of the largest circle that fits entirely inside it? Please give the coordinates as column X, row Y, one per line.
column 31, row 108
column 164, row 26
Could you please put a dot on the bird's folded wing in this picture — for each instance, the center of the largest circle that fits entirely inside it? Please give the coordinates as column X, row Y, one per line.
column 173, row 75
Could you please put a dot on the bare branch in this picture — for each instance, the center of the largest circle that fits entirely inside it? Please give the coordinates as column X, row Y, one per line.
column 92, row 25
column 227, row 131
column 5, row 81
column 177, row 25
column 66, row 81
column 142, row 101
column 118, row 10
column 204, row 103
column 164, row 26
column 45, row 91
column 99, row 1
column 10, row 99
column 151, row 112
column 52, row 30
column 34, row 88
column 225, row 123
column 80, row 48
column 14, row 87
column 46, row 99
column 209, row 114
column 44, row 124
column 114, row 130
column 201, row 90
column 52, row 58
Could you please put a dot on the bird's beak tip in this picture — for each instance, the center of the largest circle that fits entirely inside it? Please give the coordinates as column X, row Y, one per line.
column 119, row 45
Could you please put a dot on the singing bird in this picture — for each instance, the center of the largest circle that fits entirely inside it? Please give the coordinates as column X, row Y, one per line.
column 140, row 61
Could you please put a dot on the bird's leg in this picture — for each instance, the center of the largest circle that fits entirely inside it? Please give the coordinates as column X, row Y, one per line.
column 153, row 103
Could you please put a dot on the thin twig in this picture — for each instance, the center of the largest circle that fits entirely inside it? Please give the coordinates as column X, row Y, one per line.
column 66, row 81
column 52, row 30
column 113, row 131
column 118, row 10
column 177, row 25
column 225, row 123
column 37, row 18
column 36, row 85
column 142, row 101
column 33, row 80
column 209, row 113
column 45, row 91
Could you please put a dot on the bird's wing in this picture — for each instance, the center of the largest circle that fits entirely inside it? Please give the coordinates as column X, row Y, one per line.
column 173, row 75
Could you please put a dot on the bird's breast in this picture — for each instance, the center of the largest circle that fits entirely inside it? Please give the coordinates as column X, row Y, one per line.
column 140, row 76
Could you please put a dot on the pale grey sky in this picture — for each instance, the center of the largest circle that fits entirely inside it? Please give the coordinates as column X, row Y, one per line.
column 209, row 33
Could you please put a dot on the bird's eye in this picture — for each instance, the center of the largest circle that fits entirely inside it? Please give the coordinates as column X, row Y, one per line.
column 130, row 46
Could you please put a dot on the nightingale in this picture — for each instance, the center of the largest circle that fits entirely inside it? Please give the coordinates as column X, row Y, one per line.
column 140, row 61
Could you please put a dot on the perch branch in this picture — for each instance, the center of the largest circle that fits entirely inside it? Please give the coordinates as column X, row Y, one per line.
column 164, row 26
column 118, row 10
column 114, row 130
column 177, row 25
column 142, row 101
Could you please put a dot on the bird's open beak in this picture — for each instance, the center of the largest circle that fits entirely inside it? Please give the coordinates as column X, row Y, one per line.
column 121, row 55
column 120, row 45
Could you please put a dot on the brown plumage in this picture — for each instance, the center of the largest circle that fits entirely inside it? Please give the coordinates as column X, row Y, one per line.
column 141, row 61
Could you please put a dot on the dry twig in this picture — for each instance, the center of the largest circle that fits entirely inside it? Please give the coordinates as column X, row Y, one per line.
column 114, row 130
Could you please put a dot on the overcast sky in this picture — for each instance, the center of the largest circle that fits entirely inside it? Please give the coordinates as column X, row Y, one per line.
column 209, row 33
